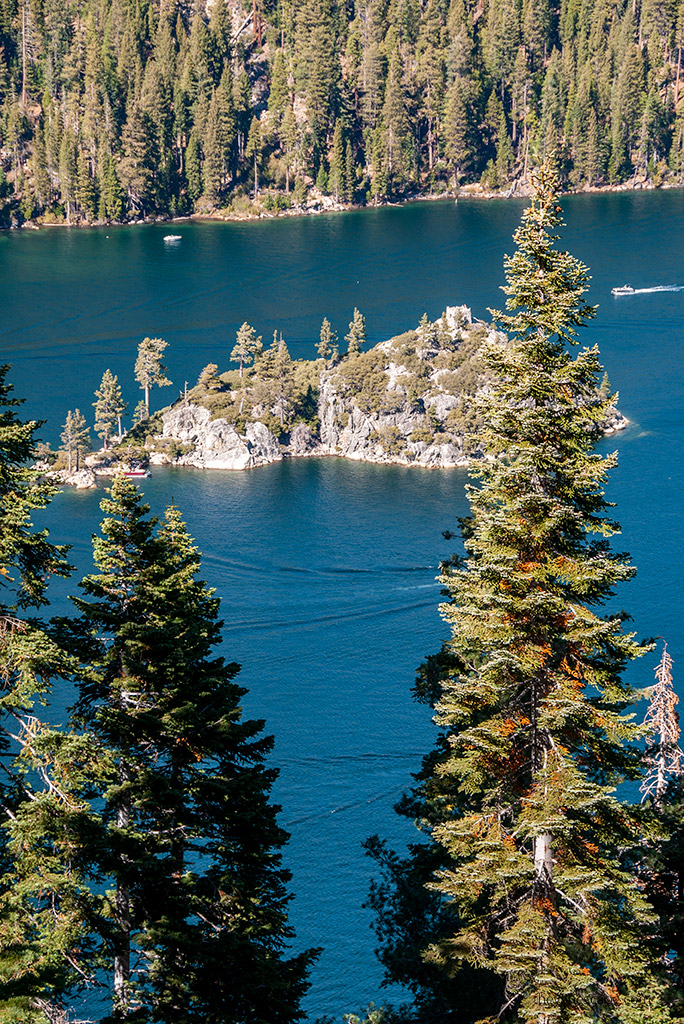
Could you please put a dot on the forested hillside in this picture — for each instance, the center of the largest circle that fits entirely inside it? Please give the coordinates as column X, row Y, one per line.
column 118, row 109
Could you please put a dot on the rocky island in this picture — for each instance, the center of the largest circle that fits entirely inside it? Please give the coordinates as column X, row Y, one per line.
column 411, row 400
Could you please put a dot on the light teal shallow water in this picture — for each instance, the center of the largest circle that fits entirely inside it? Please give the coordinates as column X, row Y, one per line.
column 326, row 568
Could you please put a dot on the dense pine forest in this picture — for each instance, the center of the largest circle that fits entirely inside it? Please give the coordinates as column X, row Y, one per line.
column 113, row 110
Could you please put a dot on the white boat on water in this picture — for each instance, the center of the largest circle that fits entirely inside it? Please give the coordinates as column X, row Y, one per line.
column 623, row 289
column 136, row 473
column 172, row 238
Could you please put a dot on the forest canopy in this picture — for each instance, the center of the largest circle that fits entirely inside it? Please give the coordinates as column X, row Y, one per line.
column 113, row 110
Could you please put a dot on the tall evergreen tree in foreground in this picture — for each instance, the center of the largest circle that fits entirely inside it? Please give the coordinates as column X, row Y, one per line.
column 536, row 706
column 40, row 924
column 530, row 691
column 197, row 918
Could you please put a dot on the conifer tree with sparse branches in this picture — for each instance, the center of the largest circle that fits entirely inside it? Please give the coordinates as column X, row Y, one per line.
column 665, row 760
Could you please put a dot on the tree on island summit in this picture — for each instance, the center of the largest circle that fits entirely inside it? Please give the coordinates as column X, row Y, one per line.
column 209, row 378
column 327, row 347
column 75, row 438
column 247, row 346
column 197, row 920
column 109, row 407
column 149, row 369
column 527, row 833
column 357, row 333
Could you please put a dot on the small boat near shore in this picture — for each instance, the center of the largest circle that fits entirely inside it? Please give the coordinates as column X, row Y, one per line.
column 136, row 473
column 172, row 238
column 623, row 289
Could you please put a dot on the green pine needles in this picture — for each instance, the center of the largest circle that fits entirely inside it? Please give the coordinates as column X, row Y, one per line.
column 139, row 849
column 196, row 909
column 536, row 709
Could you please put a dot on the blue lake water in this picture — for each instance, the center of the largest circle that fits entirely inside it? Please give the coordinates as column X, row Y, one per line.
column 326, row 568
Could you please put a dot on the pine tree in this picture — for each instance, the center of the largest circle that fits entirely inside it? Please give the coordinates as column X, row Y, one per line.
column 282, row 373
column 337, row 167
column 317, row 69
column 357, row 333
column 109, row 407
column 67, row 173
column 665, row 759
column 75, row 438
column 328, row 348
column 193, row 168
column 534, row 704
column 213, row 156
column 27, row 558
column 659, row 864
column 149, row 369
column 139, row 160
column 40, row 940
column 409, row 915
column 431, row 77
column 111, row 192
column 254, row 150
column 86, row 190
column 279, row 94
column 209, row 378
column 349, row 174
column 190, row 840
column 395, row 120
column 247, row 346
column 457, row 128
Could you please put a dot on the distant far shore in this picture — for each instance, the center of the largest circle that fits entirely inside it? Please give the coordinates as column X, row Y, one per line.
column 317, row 202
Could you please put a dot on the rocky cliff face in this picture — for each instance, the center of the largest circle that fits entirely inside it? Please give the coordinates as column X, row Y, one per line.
column 398, row 409
column 216, row 444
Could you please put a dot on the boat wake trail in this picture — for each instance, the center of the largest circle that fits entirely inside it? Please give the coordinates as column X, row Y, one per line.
column 659, row 288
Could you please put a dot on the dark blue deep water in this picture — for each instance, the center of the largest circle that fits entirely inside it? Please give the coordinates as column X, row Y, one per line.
column 327, row 568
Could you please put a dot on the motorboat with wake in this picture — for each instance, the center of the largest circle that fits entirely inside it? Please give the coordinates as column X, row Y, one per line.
column 623, row 289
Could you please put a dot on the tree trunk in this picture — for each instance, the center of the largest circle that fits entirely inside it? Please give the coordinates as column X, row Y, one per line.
column 23, row 56
column 147, row 400
column 543, row 857
column 122, row 947
column 122, row 954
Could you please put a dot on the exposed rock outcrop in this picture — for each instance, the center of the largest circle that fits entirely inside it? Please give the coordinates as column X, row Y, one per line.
column 216, row 444
column 411, row 400
column 81, row 480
